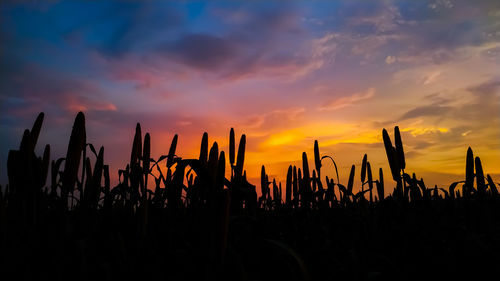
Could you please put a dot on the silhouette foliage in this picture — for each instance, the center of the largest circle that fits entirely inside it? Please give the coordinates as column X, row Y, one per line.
column 196, row 224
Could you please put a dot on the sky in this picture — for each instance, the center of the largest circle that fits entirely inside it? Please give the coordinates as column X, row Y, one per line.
column 284, row 73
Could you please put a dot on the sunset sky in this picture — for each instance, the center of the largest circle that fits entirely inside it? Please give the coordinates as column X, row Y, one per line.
column 283, row 73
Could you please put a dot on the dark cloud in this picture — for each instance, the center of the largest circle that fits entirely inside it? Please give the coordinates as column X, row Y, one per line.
column 202, row 51
column 478, row 115
column 251, row 45
column 449, row 36
column 485, row 100
column 485, row 107
column 428, row 110
column 488, row 88
column 422, row 144
column 475, row 121
column 413, row 154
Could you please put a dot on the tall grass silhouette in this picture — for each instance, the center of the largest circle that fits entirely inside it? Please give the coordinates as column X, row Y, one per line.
column 196, row 224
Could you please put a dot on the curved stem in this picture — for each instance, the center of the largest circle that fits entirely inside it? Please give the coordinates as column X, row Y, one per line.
column 335, row 164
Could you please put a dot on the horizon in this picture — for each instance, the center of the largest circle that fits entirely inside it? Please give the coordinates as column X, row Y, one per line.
column 283, row 75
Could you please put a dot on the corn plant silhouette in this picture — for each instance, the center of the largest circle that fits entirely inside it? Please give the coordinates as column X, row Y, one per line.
column 196, row 224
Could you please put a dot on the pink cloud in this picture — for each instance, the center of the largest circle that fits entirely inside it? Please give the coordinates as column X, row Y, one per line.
column 348, row 101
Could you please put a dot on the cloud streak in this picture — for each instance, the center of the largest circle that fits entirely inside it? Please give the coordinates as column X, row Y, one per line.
column 349, row 100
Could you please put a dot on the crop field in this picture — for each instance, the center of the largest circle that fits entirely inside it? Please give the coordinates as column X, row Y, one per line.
column 61, row 219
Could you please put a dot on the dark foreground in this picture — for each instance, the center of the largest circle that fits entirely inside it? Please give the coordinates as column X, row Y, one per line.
column 388, row 241
column 196, row 224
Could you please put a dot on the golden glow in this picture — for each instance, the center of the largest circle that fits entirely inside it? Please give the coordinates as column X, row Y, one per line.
column 283, row 138
column 424, row 130
column 330, row 134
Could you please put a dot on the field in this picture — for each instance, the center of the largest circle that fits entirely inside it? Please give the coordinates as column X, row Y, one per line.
column 196, row 223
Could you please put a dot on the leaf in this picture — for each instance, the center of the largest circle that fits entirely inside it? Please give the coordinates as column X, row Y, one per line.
column 453, row 186
column 481, row 186
column 342, row 188
column 492, row 185
column 74, row 153
column 91, row 146
column 161, row 158
column 391, row 157
column 444, row 191
column 334, row 164
column 35, row 132
column 407, row 178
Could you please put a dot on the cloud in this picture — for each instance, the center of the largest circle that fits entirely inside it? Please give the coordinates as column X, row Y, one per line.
column 426, row 110
column 275, row 119
column 441, row 4
column 325, row 46
column 486, row 89
column 81, row 103
column 431, row 77
column 135, row 24
column 202, row 51
column 39, row 89
column 348, row 101
column 434, row 31
column 250, row 45
column 492, row 53
column 384, row 18
column 475, row 108
column 390, row 59
column 464, row 134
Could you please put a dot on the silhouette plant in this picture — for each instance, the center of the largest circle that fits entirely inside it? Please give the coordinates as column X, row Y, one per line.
column 194, row 213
